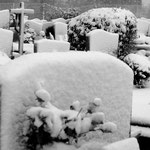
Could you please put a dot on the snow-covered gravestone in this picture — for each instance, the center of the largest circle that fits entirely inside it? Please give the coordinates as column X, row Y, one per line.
column 4, row 18
column 67, row 77
column 59, row 20
column 46, row 45
column 60, row 30
column 143, row 26
column 34, row 24
column 100, row 40
column 6, row 41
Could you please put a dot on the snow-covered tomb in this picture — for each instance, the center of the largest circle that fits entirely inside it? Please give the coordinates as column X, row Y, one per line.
column 67, row 76
column 46, row 45
column 100, row 40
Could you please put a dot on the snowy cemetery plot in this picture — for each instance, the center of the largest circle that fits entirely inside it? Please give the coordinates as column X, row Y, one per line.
column 4, row 18
column 65, row 77
column 6, row 41
column 46, row 45
column 100, row 40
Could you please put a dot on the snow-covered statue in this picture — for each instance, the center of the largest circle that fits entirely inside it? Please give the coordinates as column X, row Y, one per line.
column 66, row 125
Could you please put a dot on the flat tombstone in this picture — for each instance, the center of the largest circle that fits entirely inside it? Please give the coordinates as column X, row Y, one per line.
column 60, row 31
column 100, row 40
column 6, row 41
column 4, row 18
column 46, row 45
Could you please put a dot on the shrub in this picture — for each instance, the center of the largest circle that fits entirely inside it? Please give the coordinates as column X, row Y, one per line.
column 115, row 20
column 141, row 68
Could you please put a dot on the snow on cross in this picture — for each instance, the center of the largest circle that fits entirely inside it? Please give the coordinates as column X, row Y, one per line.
column 20, row 12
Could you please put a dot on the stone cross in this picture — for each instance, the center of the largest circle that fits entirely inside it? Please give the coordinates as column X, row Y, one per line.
column 20, row 13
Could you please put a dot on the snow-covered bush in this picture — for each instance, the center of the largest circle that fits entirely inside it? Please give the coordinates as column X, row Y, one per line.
column 115, row 20
column 141, row 68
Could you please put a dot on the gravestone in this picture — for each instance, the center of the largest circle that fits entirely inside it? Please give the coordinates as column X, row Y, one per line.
column 59, row 20
column 4, row 18
column 60, row 30
column 46, row 45
column 34, row 24
column 143, row 26
column 6, row 41
column 67, row 76
column 100, row 40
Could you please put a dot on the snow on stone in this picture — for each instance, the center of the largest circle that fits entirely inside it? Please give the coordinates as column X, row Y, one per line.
column 6, row 41
column 4, row 18
column 67, row 76
column 143, row 26
column 100, row 40
column 46, row 45
column 60, row 31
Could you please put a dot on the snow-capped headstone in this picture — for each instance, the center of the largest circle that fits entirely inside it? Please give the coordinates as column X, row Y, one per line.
column 4, row 18
column 67, row 76
column 100, row 40
column 46, row 45
column 60, row 31
column 6, row 41
column 34, row 24
column 143, row 26
column 59, row 20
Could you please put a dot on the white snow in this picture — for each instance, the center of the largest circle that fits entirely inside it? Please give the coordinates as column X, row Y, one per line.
column 67, row 76
column 143, row 26
column 100, row 40
column 35, row 24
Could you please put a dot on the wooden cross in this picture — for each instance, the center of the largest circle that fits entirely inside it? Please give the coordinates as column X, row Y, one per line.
column 20, row 13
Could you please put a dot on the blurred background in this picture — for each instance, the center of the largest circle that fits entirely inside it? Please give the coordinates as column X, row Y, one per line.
column 45, row 9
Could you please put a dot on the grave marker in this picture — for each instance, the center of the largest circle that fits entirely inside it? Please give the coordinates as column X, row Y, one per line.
column 100, row 40
column 46, row 45
column 20, row 12
column 4, row 18
column 6, row 41
column 60, row 31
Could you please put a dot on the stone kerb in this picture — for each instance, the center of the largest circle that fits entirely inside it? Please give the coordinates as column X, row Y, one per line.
column 103, row 41
column 67, row 77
